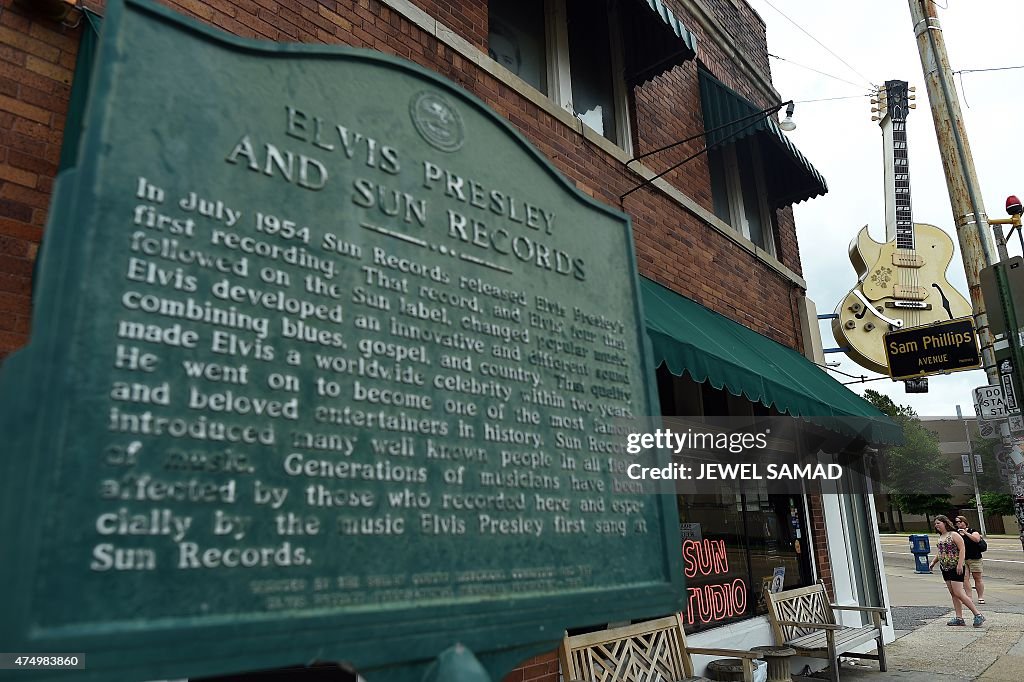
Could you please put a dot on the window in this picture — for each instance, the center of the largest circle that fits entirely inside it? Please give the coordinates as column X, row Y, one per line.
column 736, row 538
column 571, row 51
column 738, row 192
column 734, row 544
column 516, row 39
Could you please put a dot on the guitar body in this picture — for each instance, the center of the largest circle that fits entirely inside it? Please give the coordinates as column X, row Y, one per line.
column 901, row 283
column 904, row 285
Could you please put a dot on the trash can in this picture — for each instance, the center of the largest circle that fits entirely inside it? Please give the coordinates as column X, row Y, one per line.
column 920, row 547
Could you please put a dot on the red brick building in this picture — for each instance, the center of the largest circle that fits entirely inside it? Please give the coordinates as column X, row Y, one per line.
column 600, row 87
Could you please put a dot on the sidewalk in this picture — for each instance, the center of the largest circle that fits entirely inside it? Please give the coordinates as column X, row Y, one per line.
column 928, row 649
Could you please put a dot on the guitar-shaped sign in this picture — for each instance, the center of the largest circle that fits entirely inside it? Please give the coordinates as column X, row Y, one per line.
column 902, row 282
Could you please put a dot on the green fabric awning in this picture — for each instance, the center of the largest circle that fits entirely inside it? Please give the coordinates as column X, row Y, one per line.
column 656, row 40
column 687, row 337
column 791, row 177
column 80, row 89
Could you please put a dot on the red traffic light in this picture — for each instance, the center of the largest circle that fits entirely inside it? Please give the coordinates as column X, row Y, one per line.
column 1013, row 206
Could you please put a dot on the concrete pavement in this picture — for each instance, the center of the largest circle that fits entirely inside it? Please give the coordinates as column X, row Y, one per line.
column 926, row 648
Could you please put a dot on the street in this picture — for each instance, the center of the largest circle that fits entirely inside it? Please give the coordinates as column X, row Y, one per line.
column 1004, row 559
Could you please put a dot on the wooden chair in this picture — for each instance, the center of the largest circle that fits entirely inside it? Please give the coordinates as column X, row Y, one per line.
column 652, row 651
column 804, row 620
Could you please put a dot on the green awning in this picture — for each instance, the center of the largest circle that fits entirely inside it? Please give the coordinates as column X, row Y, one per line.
column 656, row 40
column 687, row 337
column 791, row 177
column 80, row 89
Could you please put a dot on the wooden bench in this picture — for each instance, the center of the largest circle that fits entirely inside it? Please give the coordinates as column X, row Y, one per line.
column 648, row 651
column 804, row 620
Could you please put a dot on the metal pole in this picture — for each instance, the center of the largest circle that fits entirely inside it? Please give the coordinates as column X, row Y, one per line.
column 962, row 183
column 958, row 164
column 974, row 474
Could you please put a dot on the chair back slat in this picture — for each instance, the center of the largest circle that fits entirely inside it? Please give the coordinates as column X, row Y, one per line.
column 804, row 605
column 654, row 651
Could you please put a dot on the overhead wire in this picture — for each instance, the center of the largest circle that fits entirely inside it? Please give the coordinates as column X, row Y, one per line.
column 830, row 99
column 961, row 72
column 823, row 45
column 994, row 68
column 810, row 68
column 858, row 379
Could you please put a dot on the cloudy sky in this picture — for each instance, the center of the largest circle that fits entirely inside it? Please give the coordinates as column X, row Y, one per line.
column 875, row 39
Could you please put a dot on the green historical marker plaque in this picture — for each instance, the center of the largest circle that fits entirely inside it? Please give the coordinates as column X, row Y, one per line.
column 326, row 364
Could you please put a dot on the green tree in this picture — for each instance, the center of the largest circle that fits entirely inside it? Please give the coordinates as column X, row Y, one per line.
column 989, row 480
column 917, row 475
column 995, row 503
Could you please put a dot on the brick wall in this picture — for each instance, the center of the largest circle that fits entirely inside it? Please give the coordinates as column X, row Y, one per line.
column 37, row 59
column 673, row 246
column 543, row 668
column 746, row 31
column 820, row 541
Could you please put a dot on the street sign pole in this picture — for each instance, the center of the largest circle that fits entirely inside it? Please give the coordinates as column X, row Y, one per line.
column 974, row 473
column 1007, row 302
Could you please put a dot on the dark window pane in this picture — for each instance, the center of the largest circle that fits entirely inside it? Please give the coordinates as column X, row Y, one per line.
column 715, row 401
column 777, row 534
column 751, row 199
column 714, row 559
column 516, row 39
column 719, row 187
column 593, row 96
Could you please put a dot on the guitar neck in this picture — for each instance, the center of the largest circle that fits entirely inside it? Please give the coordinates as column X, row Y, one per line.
column 901, row 187
column 899, row 221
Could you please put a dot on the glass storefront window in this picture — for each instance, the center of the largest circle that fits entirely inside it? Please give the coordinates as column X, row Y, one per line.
column 736, row 540
column 734, row 546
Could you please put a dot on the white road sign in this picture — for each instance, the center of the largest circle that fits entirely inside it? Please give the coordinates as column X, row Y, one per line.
column 986, row 429
column 1016, row 422
column 977, row 464
column 991, row 402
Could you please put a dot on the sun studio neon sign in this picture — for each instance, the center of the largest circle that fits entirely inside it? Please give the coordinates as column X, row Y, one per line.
column 717, row 601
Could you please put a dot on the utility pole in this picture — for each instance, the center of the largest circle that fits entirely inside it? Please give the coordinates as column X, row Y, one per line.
column 972, row 224
column 964, row 195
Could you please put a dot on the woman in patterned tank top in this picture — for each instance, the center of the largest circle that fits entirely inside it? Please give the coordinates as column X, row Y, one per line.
column 950, row 559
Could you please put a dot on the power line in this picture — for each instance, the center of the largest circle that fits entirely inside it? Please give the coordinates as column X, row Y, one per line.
column 802, row 66
column 994, row 68
column 830, row 368
column 830, row 99
column 961, row 73
column 861, row 379
column 804, row 31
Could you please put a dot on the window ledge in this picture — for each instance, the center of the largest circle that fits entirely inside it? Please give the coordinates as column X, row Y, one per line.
column 467, row 50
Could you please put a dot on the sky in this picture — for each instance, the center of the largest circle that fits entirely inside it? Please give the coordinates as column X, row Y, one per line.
column 876, row 41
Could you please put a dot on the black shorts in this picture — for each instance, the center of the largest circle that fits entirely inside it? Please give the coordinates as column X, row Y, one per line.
column 951, row 574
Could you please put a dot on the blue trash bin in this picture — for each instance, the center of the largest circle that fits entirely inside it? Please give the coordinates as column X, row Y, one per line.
column 920, row 547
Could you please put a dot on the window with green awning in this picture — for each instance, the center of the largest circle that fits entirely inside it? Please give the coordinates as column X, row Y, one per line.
column 689, row 338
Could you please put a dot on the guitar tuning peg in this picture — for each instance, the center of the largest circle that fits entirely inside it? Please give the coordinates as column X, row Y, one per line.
column 875, row 118
column 874, row 101
column 874, row 109
column 912, row 97
column 913, row 88
column 913, row 106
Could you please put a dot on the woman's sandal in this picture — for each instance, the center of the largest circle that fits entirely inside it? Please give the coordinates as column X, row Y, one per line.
column 980, row 600
column 956, row 621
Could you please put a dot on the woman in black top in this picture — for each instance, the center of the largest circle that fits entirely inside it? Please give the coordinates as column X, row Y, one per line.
column 972, row 555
